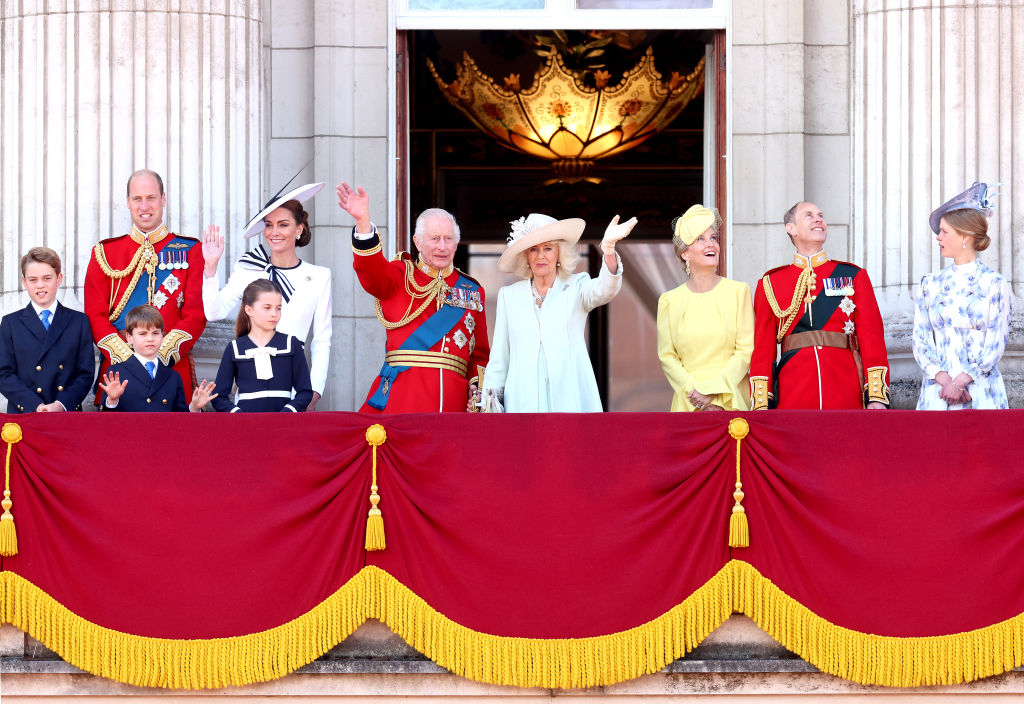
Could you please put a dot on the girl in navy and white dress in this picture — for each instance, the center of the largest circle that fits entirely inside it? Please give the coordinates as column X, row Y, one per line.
column 268, row 367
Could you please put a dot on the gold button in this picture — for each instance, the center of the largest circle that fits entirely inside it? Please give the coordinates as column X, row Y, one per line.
column 60, row 366
column 60, row 388
column 39, row 390
column 147, row 400
column 165, row 402
column 39, row 369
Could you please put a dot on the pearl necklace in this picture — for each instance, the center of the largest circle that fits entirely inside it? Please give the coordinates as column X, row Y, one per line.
column 537, row 298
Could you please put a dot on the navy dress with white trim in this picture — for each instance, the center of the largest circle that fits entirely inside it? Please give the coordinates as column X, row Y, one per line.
column 271, row 378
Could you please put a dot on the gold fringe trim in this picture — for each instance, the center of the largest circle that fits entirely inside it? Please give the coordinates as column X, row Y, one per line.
column 182, row 664
column 522, row 662
column 866, row 658
column 372, row 593
column 556, row 662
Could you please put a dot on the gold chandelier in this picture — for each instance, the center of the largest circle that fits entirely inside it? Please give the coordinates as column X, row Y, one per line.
column 560, row 119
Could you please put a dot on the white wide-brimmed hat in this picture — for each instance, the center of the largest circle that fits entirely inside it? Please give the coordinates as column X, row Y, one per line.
column 536, row 229
column 301, row 194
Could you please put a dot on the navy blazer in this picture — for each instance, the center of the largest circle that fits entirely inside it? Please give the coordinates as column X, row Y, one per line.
column 42, row 366
column 144, row 393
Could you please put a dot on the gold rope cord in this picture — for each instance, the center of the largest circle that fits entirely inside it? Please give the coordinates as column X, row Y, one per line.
column 431, row 292
column 801, row 294
column 145, row 259
column 8, row 534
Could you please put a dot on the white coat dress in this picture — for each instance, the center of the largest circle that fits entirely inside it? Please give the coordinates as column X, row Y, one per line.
column 539, row 356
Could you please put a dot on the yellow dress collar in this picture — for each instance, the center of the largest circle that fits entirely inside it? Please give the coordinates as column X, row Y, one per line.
column 153, row 237
column 431, row 271
column 812, row 261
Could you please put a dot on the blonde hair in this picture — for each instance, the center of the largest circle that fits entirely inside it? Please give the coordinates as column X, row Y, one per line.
column 568, row 258
column 970, row 223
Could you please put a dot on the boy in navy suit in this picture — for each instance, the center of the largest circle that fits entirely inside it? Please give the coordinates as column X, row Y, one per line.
column 46, row 353
column 149, row 384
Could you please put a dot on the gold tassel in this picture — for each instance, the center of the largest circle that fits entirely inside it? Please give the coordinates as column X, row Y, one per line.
column 375, row 435
column 8, row 535
column 739, row 531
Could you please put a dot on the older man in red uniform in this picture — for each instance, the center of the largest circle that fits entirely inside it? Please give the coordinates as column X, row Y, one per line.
column 151, row 266
column 433, row 313
column 818, row 338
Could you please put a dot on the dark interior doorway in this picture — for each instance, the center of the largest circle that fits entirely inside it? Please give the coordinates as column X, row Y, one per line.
column 451, row 164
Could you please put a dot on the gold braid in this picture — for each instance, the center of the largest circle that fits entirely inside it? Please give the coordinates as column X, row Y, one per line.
column 433, row 291
column 145, row 259
column 801, row 294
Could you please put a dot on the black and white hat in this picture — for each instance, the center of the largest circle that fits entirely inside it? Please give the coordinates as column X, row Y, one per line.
column 301, row 194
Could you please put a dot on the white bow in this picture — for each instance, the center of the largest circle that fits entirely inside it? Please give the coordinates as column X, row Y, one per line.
column 261, row 356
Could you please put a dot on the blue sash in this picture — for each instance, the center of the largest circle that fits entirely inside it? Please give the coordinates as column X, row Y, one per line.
column 140, row 294
column 423, row 338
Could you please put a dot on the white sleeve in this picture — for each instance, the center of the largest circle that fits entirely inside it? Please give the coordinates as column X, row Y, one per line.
column 217, row 301
column 597, row 292
column 497, row 362
column 320, row 344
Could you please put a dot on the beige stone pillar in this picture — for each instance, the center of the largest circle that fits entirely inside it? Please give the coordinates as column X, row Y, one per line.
column 93, row 89
column 937, row 104
column 329, row 101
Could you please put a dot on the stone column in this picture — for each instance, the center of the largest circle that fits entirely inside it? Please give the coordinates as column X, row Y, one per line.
column 937, row 104
column 329, row 101
column 790, row 126
column 93, row 89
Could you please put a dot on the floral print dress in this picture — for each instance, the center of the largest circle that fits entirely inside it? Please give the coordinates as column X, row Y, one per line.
column 961, row 323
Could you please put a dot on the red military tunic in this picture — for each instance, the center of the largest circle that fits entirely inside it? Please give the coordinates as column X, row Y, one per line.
column 465, row 346
column 120, row 274
column 817, row 376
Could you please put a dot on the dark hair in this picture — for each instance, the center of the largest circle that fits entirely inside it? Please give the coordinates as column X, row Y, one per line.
column 145, row 172
column 972, row 223
column 301, row 218
column 243, row 325
column 790, row 217
column 41, row 255
column 143, row 317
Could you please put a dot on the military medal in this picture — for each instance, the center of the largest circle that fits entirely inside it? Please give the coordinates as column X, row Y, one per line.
column 839, row 286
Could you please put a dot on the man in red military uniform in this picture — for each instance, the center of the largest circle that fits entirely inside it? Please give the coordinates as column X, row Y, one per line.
column 823, row 316
column 434, row 314
column 151, row 266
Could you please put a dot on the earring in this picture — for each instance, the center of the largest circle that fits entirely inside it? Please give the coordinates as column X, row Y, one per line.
column 558, row 265
column 963, row 245
column 686, row 266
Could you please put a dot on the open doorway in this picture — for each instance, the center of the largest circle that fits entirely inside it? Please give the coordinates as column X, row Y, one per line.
column 452, row 164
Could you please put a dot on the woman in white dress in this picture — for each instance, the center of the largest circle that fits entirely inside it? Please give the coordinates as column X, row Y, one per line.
column 305, row 287
column 539, row 359
column 962, row 316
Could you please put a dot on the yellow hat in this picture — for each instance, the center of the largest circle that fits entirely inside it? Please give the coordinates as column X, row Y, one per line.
column 693, row 224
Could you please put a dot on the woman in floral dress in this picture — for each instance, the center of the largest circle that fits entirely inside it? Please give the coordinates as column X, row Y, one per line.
column 962, row 317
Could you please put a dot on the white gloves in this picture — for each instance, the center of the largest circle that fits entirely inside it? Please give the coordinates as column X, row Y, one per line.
column 615, row 232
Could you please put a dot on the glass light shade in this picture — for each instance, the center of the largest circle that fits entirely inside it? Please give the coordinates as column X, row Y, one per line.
column 561, row 120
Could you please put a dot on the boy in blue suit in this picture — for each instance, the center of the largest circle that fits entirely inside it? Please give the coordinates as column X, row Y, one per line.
column 149, row 384
column 46, row 353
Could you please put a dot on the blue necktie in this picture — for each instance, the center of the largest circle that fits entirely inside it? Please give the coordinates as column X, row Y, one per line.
column 151, row 368
column 45, row 315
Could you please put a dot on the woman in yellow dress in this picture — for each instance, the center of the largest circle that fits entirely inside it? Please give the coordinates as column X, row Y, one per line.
column 706, row 326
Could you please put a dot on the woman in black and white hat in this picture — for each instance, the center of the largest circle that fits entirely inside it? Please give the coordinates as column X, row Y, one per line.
column 305, row 287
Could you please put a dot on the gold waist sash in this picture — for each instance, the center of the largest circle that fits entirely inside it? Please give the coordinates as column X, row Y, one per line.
column 427, row 359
